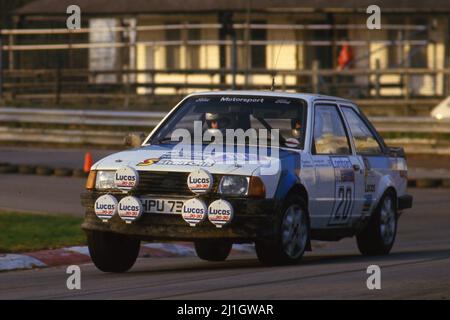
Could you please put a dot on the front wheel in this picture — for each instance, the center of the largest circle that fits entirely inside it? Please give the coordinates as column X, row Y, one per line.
column 292, row 239
column 213, row 250
column 112, row 252
column 379, row 235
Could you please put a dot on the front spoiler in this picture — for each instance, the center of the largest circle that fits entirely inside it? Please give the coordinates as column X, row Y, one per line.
column 253, row 219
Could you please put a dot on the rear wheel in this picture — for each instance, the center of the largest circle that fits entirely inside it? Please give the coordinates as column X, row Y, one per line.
column 112, row 252
column 213, row 250
column 292, row 240
column 379, row 235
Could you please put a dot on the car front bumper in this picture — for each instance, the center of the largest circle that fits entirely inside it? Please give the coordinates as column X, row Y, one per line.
column 253, row 219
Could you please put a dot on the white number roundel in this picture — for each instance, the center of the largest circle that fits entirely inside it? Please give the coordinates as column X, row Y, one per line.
column 220, row 213
column 200, row 181
column 105, row 207
column 130, row 209
column 126, row 178
column 194, row 211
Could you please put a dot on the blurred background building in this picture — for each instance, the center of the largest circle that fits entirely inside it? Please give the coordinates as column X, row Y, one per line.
column 129, row 51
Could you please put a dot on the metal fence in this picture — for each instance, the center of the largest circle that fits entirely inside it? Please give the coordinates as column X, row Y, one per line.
column 61, row 83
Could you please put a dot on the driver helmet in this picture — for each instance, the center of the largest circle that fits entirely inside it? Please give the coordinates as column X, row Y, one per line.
column 215, row 120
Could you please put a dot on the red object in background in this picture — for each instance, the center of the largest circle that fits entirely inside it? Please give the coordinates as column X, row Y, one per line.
column 345, row 56
column 87, row 162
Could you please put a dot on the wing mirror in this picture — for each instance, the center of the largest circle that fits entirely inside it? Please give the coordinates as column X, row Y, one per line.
column 397, row 152
column 134, row 139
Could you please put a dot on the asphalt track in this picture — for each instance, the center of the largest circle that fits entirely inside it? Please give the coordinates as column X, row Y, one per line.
column 417, row 268
column 55, row 157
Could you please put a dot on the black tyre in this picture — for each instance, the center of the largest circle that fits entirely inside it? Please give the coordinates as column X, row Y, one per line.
column 213, row 250
column 378, row 236
column 112, row 252
column 292, row 240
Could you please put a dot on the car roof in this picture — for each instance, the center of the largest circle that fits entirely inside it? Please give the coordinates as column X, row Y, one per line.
column 310, row 97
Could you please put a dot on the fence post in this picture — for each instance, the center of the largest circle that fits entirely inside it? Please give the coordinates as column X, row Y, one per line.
column 58, row 81
column 234, row 60
column 1, row 68
column 315, row 76
column 377, row 78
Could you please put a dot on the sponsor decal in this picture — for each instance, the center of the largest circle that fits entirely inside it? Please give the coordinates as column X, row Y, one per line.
column 370, row 188
column 203, row 99
column 341, row 162
column 194, row 211
column 200, row 181
column 220, row 213
column 321, row 163
column 126, row 178
column 307, row 164
column 130, row 209
column 105, row 207
column 186, row 162
column 147, row 162
column 283, row 101
column 243, row 100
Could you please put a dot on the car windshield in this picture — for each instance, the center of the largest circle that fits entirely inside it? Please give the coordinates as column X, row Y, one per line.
column 284, row 118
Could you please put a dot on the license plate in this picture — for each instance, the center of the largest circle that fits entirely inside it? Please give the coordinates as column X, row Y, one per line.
column 159, row 205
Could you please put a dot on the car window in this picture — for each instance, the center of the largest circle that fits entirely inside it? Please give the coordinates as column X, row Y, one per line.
column 365, row 142
column 219, row 113
column 329, row 132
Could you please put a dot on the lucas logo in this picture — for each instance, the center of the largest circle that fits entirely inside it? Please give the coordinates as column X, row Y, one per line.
column 103, row 206
column 127, row 207
column 192, row 210
column 198, row 180
column 126, row 178
column 220, row 211
column 120, row 177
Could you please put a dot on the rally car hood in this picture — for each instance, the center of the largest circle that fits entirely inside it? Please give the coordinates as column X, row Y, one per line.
column 159, row 158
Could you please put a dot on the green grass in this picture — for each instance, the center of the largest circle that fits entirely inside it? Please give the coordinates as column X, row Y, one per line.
column 21, row 232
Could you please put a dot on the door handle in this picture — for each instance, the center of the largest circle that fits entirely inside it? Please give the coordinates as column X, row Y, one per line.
column 356, row 167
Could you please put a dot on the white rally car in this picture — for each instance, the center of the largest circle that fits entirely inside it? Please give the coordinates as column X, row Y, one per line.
column 318, row 170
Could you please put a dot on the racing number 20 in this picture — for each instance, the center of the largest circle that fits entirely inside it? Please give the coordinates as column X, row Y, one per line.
column 344, row 198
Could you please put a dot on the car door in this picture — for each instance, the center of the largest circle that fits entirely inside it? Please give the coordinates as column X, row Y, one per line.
column 337, row 169
column 369, row 151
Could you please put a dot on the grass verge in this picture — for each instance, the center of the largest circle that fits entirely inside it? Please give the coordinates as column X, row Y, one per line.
column 21, row 232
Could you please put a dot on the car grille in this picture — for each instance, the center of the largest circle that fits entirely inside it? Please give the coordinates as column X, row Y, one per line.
column 173, row 183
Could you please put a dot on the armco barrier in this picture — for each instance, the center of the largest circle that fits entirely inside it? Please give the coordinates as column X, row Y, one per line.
column 97, row 120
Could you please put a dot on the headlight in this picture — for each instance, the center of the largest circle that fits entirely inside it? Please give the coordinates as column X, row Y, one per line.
column 105, row 180
column 234, row 185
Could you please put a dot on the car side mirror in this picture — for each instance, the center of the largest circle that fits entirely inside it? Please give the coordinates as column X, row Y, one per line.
column 134, row 139
column 397, row 152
